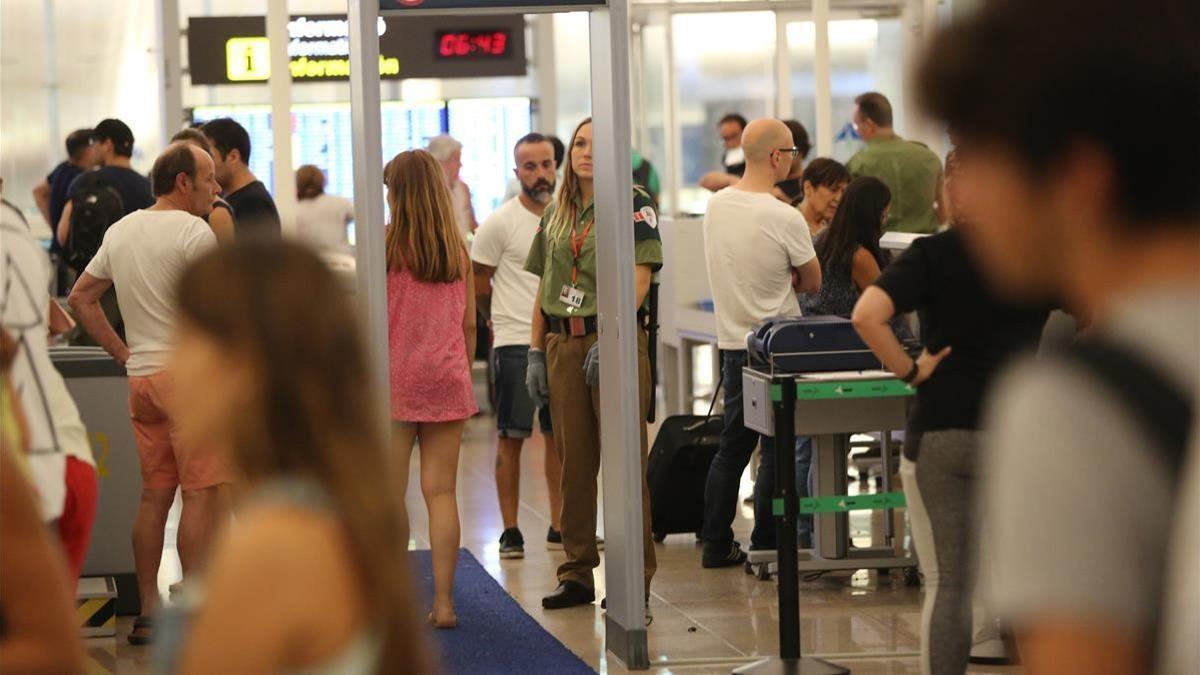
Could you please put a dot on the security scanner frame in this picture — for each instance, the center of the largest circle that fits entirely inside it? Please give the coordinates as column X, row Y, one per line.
column 823, row 406
column 609, row 30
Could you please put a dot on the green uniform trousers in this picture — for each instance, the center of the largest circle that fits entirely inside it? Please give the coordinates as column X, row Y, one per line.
column 575, row 409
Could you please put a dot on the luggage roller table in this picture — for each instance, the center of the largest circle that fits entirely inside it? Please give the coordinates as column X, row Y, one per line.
column 825, row 407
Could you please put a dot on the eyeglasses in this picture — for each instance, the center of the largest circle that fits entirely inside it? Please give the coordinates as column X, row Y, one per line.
column 794, row 152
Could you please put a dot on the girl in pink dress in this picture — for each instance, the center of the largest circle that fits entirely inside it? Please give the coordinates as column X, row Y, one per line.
column 431, row 332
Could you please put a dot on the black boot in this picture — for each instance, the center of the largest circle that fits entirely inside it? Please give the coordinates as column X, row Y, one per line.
column 569, row 594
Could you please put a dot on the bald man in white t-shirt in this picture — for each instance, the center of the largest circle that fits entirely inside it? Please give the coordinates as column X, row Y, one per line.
column 760, row 255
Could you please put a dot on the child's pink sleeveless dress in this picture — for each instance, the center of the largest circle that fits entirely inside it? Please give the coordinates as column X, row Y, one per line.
column 429, row 370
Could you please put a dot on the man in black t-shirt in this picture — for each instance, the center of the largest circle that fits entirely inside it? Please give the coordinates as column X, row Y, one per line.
column 114, row 152
column 51, row 195
column 253, row 208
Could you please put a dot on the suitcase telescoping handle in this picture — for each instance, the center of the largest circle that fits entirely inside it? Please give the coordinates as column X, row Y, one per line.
column 712, row 405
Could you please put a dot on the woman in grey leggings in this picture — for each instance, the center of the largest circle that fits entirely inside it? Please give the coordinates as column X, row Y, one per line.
column 968, row 334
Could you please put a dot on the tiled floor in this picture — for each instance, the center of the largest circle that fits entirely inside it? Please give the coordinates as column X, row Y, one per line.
column 705, row 621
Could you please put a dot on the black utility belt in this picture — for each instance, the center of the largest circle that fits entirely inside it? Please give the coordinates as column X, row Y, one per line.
column 579, row 326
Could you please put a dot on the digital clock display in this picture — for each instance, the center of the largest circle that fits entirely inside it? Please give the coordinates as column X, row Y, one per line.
column 472, row 44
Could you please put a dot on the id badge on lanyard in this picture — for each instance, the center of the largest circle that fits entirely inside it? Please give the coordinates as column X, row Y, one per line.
column 570, row 295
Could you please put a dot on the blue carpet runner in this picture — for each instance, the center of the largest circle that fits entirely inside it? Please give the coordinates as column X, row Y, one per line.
column 494, row 634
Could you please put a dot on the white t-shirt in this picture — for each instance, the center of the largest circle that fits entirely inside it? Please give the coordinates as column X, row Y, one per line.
column 751, row 243
column 144, row 255
column 503, row 242
column 321, row 222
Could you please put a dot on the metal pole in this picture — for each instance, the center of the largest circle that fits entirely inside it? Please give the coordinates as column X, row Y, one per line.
column 783, row 70
column 170, row 77
column 621, row 418
column 53, row 120
column 785, row 525
column 673, row 146
column 280, row 84
column 547, row 89
column 366, row 131
column 823, row 76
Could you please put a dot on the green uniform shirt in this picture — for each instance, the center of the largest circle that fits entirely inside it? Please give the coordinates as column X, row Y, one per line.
column 914, row 175
column 552, row 259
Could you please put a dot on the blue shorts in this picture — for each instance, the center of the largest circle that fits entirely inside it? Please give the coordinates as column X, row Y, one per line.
column 514, row 408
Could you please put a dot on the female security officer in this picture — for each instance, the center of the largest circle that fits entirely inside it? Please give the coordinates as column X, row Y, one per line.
column 563, row 366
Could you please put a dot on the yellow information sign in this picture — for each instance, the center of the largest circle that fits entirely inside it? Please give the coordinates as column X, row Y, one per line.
column 248, row 59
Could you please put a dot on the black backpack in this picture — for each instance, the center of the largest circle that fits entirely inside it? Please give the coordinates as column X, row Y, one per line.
column 95, row 206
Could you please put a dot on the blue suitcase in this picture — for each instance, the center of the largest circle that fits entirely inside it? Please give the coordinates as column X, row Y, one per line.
column 810, row 344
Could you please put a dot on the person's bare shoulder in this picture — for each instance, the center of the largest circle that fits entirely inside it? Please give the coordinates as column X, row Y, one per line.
column 303, row 538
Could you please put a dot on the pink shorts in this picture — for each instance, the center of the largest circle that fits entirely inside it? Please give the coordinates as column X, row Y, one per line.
column 167, row 463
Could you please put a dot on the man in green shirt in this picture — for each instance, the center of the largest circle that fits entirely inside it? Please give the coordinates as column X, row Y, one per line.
column 910, row 170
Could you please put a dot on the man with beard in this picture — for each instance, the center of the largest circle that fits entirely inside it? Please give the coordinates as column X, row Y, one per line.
column 504, row 287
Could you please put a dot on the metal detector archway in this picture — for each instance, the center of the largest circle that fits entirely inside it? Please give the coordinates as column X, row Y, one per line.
column 625, row 626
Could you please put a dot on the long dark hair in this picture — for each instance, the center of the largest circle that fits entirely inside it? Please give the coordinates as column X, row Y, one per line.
column 858, row 222
column 422, row 236
column 310, row 414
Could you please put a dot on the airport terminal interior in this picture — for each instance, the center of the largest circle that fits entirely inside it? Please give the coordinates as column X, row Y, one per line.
column 323, row 356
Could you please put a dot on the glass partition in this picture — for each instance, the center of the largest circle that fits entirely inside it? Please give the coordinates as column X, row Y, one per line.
column 651, row 117
column 864, row 55
column 724, row 63
column 488, row 128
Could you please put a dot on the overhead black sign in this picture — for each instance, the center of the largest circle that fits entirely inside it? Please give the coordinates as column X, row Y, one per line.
column 235, row 49
column 527, row 6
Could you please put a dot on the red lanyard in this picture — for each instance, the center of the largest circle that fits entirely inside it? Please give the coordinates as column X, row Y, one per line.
column 577, row 248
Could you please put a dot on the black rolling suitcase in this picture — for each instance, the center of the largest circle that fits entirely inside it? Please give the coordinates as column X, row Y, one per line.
column 677, row 471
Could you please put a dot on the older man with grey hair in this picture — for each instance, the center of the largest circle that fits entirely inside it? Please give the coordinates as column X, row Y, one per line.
column 449, row 152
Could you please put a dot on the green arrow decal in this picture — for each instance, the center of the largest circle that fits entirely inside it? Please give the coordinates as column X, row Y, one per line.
column 817, row 391
column 845, row 503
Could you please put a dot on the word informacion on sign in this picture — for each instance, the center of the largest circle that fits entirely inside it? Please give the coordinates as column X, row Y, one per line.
column 319, row 48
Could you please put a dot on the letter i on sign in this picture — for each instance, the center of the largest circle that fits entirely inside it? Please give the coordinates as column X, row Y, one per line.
column 248, row 59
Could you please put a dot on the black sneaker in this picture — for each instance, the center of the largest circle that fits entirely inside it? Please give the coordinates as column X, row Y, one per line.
column 554, row 540
column 732, row 557
column 512, row 544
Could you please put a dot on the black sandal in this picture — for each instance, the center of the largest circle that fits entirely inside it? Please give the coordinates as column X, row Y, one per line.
column 144, row 624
